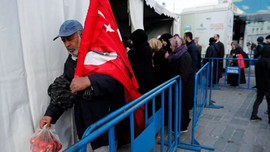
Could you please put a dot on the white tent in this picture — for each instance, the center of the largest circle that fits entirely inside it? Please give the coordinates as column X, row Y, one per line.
column 30, row 61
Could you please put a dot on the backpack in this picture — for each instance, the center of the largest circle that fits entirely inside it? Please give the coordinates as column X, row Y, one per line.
column 245, row 56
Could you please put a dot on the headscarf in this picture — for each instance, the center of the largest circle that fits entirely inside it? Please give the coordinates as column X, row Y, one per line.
column 180, row 49
column 166, row 37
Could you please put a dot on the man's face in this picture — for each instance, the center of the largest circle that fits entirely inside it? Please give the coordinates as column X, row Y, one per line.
column 268, row 41
column 72, row 43
column 185, row 37
column 196, row 41
column 215, row 37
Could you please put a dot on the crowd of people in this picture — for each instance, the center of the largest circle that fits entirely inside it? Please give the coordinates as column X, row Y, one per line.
column 153, row 62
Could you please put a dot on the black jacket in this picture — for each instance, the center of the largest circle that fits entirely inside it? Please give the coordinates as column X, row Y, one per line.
column 262, row 70
column 140, row 58
column 160, row 67
column 108, row 95
column 193, row 51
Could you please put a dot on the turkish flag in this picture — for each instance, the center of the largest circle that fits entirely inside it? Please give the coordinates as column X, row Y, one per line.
column 102, row 52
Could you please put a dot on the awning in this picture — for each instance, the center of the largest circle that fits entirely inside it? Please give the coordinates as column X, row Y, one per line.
column 160, row 9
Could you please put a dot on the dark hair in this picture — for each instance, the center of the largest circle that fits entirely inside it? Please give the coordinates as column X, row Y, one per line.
column 189, row 34
column 267, row 37
column 217, row 35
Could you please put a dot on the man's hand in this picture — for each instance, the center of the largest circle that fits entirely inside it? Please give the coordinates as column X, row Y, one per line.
column 79, row 84
column 45, row 120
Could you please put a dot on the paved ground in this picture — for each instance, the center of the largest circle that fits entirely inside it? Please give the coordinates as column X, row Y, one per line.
column 229, row 129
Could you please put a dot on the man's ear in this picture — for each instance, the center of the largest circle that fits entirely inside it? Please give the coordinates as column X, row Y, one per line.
column 81, row 33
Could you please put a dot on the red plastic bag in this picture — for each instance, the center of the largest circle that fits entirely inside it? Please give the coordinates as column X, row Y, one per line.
column 45, row 140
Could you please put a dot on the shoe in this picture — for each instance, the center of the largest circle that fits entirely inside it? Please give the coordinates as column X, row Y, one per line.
column 184, row 131
column 255, row 118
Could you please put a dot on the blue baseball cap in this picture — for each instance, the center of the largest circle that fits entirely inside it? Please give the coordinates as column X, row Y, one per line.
column 68, row 28
column 260, row 39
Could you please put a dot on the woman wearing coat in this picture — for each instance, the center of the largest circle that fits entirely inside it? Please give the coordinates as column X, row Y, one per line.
column 236, row 54
column 180, row 63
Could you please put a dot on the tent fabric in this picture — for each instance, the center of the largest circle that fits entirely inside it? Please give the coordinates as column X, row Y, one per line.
column 30, row 61
column 135, row 9
column 160, row 9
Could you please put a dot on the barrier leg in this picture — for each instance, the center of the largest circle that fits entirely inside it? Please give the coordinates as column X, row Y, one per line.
column 211, row 102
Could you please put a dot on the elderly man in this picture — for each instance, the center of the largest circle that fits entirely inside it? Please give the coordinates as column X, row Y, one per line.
column 93, row 96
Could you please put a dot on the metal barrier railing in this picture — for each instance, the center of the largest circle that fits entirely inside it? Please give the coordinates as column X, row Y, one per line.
column 200, row 102
column 153, row 124
column 243, row 74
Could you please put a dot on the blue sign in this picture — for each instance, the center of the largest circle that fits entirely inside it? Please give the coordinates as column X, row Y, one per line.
column 233, row 70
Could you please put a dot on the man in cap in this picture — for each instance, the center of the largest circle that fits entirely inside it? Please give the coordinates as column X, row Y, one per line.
column 93, row 96
column 257, row 52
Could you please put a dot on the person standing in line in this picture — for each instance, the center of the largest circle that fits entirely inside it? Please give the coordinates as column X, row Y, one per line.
column 180, row 63
column 164, row 38
column 267, row 39
column 140, row 58
column 199, row 48
column 192, row 49
column 160, row 63
column 221, row 53
column 263, row 82
column 212, row 52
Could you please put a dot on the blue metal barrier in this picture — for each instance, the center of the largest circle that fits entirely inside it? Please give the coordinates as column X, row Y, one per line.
column 227, row 61
column 200, row 102
column 153, row 124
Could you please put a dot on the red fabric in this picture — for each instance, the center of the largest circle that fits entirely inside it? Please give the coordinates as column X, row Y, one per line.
column 98, row 37
column 241, row 62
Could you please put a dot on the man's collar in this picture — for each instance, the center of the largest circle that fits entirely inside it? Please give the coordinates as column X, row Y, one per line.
column 74, row 57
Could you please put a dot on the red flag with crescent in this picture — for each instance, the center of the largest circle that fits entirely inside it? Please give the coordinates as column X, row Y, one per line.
column 102, row 52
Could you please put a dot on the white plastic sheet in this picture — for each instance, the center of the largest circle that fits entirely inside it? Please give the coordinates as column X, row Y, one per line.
column 29, row 62
column 135, row 8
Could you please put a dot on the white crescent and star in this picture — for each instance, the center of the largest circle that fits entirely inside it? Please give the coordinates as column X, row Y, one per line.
column 108, row 27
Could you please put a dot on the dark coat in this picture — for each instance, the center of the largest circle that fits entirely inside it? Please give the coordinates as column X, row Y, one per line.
column 108, row 95
column 193, row 51
column 140, row 58
column 180, row 63
column 212, row 51
column 262, row 70
column 160, row 67
column 199, row 48
column 221, row 49
column 258, row 50
column 221, row 53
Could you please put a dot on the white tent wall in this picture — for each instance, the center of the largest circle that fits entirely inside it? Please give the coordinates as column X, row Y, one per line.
column 30, row 61
column 135, row 8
